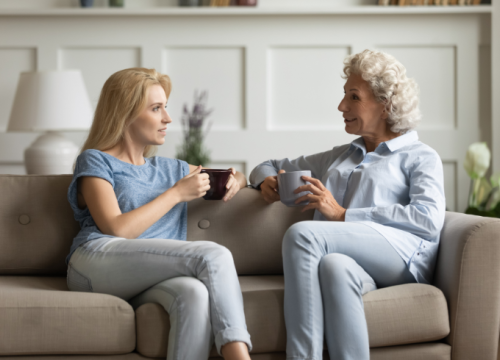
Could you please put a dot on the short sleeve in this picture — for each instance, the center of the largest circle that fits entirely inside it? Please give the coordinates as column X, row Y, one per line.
column 89, row 163
column 184, row 166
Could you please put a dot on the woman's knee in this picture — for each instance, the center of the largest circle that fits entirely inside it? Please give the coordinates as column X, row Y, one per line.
column 339, row 270
column 187, row 290
column 213, row 252
column 336, row 268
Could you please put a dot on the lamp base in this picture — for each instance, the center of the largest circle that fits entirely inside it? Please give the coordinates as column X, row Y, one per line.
column 51, row 153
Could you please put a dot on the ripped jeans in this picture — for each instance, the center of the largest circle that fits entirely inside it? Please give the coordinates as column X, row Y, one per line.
column 196, row 283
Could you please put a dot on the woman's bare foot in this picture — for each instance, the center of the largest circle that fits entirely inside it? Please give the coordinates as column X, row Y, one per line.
column 236, row 350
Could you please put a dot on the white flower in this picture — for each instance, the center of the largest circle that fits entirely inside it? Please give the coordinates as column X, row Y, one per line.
column 477, row 160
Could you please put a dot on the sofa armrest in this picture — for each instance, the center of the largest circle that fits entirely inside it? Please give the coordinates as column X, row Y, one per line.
column 468, row 273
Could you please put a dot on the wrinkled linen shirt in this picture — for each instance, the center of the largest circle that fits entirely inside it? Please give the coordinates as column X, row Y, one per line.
column 134, row 186
column 396, row 189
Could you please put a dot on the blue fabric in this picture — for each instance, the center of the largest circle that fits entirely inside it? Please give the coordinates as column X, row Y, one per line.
column 397, row 190
column 134, row 186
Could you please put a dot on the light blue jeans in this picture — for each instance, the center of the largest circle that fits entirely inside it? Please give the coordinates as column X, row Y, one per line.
column 328, row 266
column 196, row 283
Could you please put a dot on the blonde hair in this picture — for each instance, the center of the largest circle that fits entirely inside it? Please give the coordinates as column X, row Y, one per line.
column 390, row 85
column 123, row 97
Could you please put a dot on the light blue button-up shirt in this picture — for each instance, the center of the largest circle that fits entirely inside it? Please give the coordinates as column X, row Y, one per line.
column 396, row 189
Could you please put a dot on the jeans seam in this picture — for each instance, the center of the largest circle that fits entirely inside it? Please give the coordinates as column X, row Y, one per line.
column 145, row 252
column 214, row 302
column 79, row 273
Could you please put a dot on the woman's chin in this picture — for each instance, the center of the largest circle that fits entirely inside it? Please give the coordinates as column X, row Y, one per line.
column 350, row 130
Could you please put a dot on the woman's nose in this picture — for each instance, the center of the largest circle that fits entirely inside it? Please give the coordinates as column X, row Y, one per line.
column 343, row 106
column 166, row 117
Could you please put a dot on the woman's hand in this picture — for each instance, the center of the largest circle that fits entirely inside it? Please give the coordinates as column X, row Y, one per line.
column 269, row 188
column 321, row 199
column 192, row 186
column 232, row 186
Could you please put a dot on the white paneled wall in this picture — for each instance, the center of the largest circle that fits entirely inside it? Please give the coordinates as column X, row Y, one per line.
column 98, row 63
column 274, row 81
column 200, row 68
column 303, row 84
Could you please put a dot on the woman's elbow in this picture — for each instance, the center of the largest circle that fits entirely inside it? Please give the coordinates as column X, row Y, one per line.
column 116, row 230
column 431, row 222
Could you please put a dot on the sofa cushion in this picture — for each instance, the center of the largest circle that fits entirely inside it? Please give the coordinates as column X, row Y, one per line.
column 39, row 315
column 248, row 226
column 36, row 224
column 404, row 314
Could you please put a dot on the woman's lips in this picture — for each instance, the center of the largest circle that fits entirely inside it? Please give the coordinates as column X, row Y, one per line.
column 347, row 120
column 164, row 131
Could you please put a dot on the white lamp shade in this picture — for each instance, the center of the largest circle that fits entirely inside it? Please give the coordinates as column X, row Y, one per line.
column 51, row 100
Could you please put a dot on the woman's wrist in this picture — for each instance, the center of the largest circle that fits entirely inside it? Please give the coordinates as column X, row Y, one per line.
column 242, row 180
column 173, row 195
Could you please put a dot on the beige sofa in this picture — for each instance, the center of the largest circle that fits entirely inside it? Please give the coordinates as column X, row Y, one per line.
column 457, row 318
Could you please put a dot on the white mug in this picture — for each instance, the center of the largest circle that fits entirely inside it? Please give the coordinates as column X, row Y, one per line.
column 288, row 182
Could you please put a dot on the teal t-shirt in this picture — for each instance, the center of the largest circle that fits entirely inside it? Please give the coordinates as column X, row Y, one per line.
column 134, row 186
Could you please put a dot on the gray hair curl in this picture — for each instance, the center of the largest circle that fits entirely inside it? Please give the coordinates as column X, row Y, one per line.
column 390, row 85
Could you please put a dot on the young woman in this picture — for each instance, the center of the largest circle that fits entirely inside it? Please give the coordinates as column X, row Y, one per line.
column 132, row 210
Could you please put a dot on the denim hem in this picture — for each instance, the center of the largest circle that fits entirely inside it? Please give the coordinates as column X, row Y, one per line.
column 230, row 335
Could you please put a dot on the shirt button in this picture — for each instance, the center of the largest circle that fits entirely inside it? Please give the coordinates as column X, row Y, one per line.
column 418, row 253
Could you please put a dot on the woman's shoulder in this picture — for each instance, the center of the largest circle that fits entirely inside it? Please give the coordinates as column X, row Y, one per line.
column 91, row 155
column 92, row 160
column 420, row 149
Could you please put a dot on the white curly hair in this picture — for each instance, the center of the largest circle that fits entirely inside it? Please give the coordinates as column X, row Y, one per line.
column 390, row 85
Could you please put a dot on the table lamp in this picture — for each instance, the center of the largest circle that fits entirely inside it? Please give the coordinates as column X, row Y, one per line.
column 49, row 102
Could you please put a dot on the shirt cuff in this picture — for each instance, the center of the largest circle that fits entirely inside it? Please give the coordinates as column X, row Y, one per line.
column 358, row 215
column 260, row 175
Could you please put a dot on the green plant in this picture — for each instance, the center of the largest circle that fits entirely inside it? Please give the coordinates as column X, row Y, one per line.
column 195, row 129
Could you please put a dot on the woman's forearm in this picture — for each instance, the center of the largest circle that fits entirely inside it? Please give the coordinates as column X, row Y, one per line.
column 242, row 180
column 132, row 224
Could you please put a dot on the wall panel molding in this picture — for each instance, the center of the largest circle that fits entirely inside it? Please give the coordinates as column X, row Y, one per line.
column 219, row 70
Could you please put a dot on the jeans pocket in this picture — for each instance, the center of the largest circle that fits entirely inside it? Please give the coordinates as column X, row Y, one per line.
column 78, row 282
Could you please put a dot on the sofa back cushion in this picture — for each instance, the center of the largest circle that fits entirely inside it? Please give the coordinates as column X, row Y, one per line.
column 37, row 226
column 248, row 226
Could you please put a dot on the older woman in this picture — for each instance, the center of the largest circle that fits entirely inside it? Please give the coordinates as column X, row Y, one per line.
column 379, row 208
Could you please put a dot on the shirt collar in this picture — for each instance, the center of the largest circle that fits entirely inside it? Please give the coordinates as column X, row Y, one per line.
column 402, row 140
column 393, row 145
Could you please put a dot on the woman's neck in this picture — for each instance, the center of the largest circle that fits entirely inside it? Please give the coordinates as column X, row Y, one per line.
column 128, row 152
column 372, row 142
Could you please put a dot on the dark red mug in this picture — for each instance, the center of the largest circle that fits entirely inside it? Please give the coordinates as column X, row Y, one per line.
column 218, row 181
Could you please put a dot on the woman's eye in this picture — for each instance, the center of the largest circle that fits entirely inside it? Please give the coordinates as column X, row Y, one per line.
column 156, row 108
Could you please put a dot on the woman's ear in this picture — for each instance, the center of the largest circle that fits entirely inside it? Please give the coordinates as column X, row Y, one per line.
column 385, row 114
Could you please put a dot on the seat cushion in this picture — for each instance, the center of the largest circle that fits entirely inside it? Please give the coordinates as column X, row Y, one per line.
column 404, row 314
column 39, row 315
